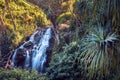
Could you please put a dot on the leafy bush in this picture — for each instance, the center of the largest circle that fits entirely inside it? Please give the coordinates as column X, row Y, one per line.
column 19, row 74
column 66, row 65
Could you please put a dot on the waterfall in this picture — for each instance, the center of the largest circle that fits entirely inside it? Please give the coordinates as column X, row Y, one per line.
column 32, row 37
column 39, row 57
column 33, row 53
column 13, row 57
column 27, row 60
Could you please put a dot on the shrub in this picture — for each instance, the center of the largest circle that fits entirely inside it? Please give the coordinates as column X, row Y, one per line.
column 19, row 74
column 66, row 65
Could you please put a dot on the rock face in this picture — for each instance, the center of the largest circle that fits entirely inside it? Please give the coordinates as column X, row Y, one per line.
column 36, row 52
column 20, row 57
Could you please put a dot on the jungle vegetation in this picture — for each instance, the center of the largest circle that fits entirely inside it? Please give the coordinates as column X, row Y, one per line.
column 89, row 33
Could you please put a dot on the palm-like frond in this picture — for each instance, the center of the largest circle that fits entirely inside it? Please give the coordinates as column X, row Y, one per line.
column 98, row 51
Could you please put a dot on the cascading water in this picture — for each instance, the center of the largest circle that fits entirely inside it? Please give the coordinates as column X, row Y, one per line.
column 27, row 60
column 33, row 53
column 13, row 57
column 39, row 57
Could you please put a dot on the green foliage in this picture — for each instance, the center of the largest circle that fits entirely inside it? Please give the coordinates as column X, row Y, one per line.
column 54, row 8
column 26, row 17
column 91, row 12
column 99, row 52
column 6, row 41
column 66, row 65
column 64, row 17
column 95, row 56
column 19, row 74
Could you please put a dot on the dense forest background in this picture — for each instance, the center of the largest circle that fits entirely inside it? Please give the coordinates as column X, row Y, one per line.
column 87, row 45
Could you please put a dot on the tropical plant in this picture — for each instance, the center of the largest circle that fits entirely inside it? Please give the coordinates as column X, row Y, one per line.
column 100, row 52
column 99, row 49
column 89, row 12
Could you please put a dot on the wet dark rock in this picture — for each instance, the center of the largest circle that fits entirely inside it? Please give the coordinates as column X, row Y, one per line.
column 51, row 44
column 20, row 57
column 21, row 51
column 37, row 37
column 27, row 38
column 49, row 49
column 28, row 45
